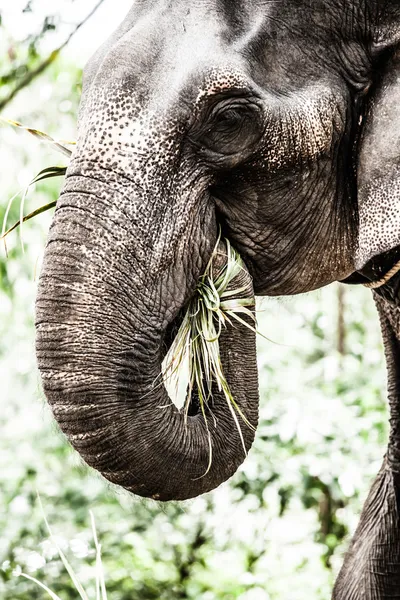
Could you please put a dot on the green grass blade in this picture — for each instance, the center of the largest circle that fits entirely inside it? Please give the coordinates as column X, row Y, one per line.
column 9, row 204
column 97, row 556
column 48, row 173
column 237, row 424
column 44, row 174
column 235, row 292
column 237, row 303
column 31, row 215
column 100, row 582
column 21, row 216
column 64, row 560
column 60, row 146
column 39, row 583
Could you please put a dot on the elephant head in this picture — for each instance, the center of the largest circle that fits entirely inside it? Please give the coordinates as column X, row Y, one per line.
column 277, row 122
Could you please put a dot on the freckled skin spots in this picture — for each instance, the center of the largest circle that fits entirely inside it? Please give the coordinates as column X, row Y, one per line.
column 221, row 80
column 279, row 122
column 379, row 174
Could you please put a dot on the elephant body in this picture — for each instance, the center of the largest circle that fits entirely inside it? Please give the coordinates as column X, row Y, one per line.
column 277, row 123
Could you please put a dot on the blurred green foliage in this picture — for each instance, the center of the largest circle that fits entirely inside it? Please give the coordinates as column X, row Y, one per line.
column 278, row 529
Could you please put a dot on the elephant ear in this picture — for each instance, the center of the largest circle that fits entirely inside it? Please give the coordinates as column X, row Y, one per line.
column 378, row 169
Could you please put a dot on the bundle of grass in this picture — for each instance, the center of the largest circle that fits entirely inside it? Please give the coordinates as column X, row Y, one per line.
column 221, row 298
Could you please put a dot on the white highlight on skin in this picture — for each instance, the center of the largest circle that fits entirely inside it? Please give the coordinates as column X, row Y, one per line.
column 219, row 80
column 243, row 42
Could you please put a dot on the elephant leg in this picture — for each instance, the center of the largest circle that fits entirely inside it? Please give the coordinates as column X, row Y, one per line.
column 371, row 570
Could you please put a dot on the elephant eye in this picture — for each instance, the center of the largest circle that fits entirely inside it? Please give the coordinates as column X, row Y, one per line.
column 230, row 119
column 231, row 129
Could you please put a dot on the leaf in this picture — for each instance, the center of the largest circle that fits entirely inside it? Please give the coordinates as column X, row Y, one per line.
column 64, row 559
column 21, row 216
column 59, row 145
column 31, row 215
column 100, row 582
column 237, row 303
column 44, row 174
column 44, row 587
column 9, row 204
column 48, row 173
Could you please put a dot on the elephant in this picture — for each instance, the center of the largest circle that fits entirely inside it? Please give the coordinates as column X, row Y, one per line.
column 276, row 122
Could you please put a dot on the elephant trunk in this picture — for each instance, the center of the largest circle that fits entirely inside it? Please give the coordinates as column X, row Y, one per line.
column 119, row 266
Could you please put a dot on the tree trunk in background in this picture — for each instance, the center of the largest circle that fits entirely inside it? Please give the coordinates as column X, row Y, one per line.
column 341, row 321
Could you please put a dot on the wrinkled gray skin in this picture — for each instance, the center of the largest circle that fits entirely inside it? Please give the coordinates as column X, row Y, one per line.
column 280, row 121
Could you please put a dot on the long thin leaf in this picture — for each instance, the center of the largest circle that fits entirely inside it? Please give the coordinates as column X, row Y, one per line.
column 31, row 215
column 21, row 216
column 44, row 174
column 100, row 583
column 3, row 234
column 65, row 562
column 59, row 145
column 48, row 173
column 39, row 583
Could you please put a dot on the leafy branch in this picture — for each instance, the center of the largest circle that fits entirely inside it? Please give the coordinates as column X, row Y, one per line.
column 46, row 62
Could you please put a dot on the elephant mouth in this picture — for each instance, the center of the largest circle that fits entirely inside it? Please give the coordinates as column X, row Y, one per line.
column 382, row 274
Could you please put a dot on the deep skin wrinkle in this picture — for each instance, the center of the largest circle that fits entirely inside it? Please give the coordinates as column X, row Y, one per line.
column 278, row 122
